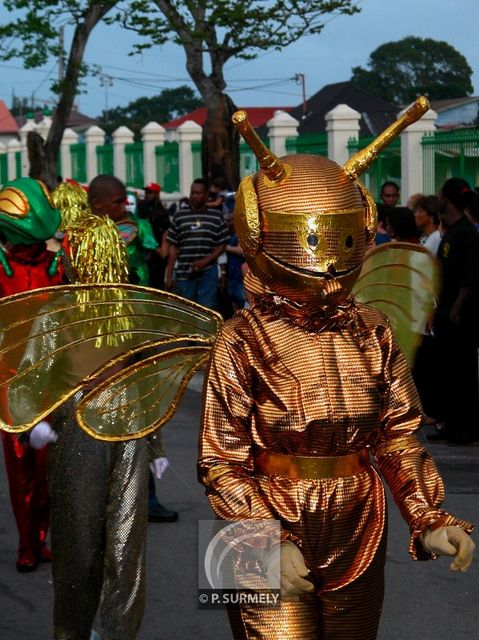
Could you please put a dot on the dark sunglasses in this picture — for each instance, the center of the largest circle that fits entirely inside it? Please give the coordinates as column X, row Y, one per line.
column 120, row 200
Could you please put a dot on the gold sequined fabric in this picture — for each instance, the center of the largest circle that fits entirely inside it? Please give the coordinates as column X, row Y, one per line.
column 280, row 382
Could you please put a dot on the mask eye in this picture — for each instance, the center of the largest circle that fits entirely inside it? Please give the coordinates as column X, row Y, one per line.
column 349, row 242
column 312, row 240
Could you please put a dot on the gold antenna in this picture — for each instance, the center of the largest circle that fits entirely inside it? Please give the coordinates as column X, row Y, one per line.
column 357, row 164
column 271, row 164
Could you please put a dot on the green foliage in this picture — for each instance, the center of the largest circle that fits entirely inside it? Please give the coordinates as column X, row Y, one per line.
column 225, row 28
column 400, row 71
column 33, row 35
column 169, row 104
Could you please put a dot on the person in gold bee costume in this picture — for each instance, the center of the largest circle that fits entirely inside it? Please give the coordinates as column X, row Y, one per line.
column 307, row 387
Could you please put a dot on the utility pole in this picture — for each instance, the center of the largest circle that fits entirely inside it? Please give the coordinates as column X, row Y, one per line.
column 300, row 79
column 106, row 81
column 61, row 61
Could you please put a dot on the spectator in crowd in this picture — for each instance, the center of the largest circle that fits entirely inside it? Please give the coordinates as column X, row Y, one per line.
column 427, row 221
column 457, row 313
column 197, row 237
column 389, row 194
column 217, row 195
column 401, row 226
column 427, row 361
column 152, row 209
column 141, row 246
column 234, row 273
column 472, row 210
column 381, row 233
column 413, row 200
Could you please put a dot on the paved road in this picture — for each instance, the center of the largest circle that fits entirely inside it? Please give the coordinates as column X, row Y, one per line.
column 423, row 599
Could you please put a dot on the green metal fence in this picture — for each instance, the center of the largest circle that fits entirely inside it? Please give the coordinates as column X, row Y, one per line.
column 248, row 162
column 450, row 154
column 167, row 169
column 78, row 157
column 197, row 165
column 18, row 164
column 3, row 168
column 134, row 165
column 315, row 143
column 104, row 158
column 387, row 165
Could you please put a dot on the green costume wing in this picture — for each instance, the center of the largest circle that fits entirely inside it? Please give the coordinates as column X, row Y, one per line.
column 77, row 340
column 400, row 279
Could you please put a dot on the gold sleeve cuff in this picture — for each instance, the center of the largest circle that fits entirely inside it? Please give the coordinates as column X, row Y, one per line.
column 214, row 473
column 398, row 444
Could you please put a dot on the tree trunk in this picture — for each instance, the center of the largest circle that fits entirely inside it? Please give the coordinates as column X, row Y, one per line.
column 41, row 166
column 43, row 155
column 220, row 141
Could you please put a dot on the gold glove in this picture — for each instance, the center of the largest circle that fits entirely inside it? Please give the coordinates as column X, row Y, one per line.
column 450, row 541
column 289, row 569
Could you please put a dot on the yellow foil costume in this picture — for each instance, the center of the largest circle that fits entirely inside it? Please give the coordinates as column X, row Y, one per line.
column 306, row 390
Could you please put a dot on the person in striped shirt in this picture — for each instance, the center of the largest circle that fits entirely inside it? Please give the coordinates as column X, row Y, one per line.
column 197, row 237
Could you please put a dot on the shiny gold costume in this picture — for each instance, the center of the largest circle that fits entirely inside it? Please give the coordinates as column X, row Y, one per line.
column 309, row 400
column 281, row 383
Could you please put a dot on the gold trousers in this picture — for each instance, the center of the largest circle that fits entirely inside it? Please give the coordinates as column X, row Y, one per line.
column 348, row 613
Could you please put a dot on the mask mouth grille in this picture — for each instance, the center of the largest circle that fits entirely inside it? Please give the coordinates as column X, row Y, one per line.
column 330, row 271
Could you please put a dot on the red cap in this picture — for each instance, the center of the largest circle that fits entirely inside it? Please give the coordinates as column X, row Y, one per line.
column 153, row 186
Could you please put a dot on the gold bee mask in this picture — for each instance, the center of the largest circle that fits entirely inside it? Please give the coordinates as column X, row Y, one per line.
column 303, row 221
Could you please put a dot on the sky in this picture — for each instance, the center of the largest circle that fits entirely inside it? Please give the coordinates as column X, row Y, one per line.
column 345, row 42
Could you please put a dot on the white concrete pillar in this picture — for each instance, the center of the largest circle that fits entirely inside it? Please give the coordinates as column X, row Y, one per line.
column 280, row 127
column 24, row 131
column 94, row 137
column 342, row 123
column 121, row 137
column 69, row 138
column 12, row 147
column 188, row 132
column 152, row 135
column 412, row 173
column 3, row 151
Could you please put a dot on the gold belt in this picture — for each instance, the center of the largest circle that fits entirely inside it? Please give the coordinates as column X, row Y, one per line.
column 311, row 467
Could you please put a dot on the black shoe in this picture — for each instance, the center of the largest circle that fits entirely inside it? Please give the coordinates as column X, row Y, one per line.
column 159, row 513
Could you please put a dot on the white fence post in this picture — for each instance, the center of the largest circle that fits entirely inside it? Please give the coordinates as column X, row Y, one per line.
column 280, row 127
column 94, row 137
column 342, row 123
column 188, row 132
column 69, row 137
column 152, row 135
column 121, row 137
column 412, row 172
column 12, row 148
column 3, row 151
